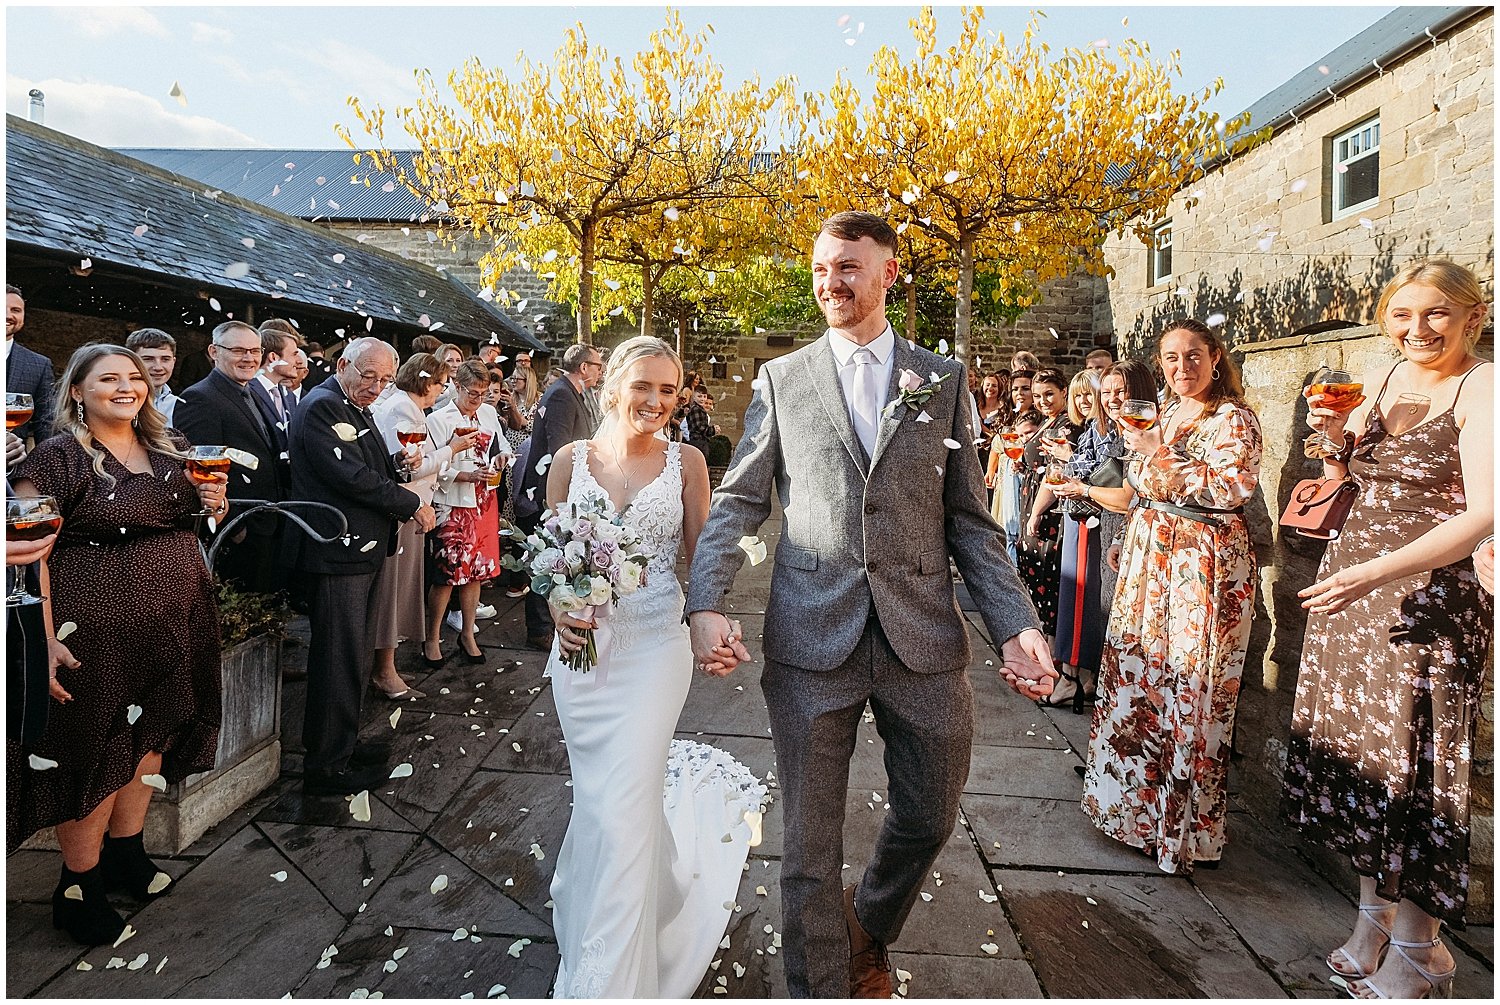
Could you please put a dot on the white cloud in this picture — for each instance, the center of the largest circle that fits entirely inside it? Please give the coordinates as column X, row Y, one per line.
column 208, row 34
column 351, row 70
column 107, row 22
column 113, row 116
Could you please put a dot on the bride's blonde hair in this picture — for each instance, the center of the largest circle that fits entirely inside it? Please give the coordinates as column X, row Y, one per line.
column 622, row 358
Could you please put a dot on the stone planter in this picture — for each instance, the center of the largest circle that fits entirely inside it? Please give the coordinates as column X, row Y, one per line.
column 249, row 754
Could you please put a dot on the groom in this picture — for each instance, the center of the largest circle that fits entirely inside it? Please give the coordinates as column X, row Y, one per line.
column 867, row 443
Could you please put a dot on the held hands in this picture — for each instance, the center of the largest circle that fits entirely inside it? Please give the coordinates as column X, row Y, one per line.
column 1062, row 451
column 989, row 480
column 1326, row 420
column 58, row 656
column 1070, row 488
column 1113, row 556
column 411, row 457
column 569, row 627
column 462, row 443
column 718, row 645
column 1026, row 664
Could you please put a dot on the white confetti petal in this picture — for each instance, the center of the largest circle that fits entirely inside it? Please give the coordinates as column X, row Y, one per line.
column 1214, row 320
column 926, row 896
column 395, row 716
column 951, row 443
column 516, row 947
column 755, row 548
column 138, row 962
column 402, row 770
column 126, row 934
column 132, row 713
column 439, row 884
column 68, row 628
column 345, row 431
column 85, row 965
column 951, row 177
column 236, row 270
column 990, row 948
column 988, row 898
column 369, row 546
column 279, row 875
column 359, row 806
column 157, row 782
column 159, row 882
column 40, row 763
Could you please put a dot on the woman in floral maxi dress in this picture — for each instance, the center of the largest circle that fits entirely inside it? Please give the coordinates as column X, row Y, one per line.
column 1175, row 648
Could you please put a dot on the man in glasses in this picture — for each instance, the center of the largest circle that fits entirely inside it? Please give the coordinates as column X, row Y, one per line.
column 219, row 409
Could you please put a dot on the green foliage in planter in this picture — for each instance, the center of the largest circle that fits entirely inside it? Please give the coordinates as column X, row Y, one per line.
column 719, row 451
column 244, row 615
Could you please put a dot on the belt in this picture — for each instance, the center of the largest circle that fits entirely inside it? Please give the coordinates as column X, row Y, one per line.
column 1200, row 514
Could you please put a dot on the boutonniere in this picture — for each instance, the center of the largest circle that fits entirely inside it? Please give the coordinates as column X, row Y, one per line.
column 912, row 392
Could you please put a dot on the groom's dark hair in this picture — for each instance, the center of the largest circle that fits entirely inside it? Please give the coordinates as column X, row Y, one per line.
column 853, row 224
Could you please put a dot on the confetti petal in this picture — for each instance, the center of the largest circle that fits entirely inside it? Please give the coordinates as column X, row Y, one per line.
column 159, row 882
column 74, row 892
column 359, row 806
column 755, row 548
column 439, row 884
column 126, row 934
column 402, row 770
column 236, row 270
column 279, row 875
column 990, row 948
column 132, row 713
column 40, row 763
column 345, row 432
column 68, row 628
column 157, row 782
column 951, row 444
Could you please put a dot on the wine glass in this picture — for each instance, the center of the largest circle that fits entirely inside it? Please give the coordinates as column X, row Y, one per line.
column 409, row 433
column 1012, row 444
column 18, row 409
column 1341, row 393
column 203, row 462
column 1138, row 414
column 29, row 518
column 1055, row 474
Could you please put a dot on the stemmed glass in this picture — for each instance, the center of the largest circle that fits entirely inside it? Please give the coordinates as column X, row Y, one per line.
column 1341, row 393
column 18, row 409
column 29, row 518
column 1010, row 442
column 1055, row 474
column 1138, row 414
column 409, row 433
column 203, row 462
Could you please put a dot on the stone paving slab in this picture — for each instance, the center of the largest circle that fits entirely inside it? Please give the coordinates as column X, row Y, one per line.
column 1146, row 936
column 1037, row 772
column 938, row 976
column 470, row 899
column 1046, row 834
column 749, row 944
column 342, row 862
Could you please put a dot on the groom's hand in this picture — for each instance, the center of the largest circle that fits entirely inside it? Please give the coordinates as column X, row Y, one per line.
column 1026, row 664
column 716, row 645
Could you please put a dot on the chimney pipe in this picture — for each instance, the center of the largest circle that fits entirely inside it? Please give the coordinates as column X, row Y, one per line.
column 38, row 110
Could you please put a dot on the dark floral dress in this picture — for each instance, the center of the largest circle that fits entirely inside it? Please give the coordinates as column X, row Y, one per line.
column 1037, row 558
column 1390, row 687
column 128, row 573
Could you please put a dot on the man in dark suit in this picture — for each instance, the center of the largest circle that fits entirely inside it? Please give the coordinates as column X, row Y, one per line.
column 276, row 366
column 27, row 372
column 219, row 409
column 339, row 458
column 562, row 416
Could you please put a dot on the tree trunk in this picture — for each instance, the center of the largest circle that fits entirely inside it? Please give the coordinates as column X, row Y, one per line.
column 682, row 334
column 648, row 298
column 586, row 282
column 963, row 315
column 911, row 310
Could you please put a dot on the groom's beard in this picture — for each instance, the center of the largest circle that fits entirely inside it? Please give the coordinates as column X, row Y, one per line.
column 850, row 312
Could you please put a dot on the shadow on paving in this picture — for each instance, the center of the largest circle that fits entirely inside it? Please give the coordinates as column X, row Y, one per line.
column 444, row 891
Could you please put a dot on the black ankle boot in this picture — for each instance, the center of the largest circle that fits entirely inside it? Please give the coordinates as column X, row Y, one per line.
column 127, row 868
column 80, row 907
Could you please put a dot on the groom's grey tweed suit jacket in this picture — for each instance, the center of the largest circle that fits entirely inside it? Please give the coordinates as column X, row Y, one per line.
column 859, row 535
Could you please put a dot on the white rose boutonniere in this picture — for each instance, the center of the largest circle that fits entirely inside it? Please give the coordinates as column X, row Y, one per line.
column 912, row 392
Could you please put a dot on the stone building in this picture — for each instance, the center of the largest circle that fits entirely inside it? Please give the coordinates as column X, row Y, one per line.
column 1380, row 153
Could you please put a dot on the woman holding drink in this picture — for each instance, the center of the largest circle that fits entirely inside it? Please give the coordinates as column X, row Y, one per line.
column 468, row 534
column 132, row 637
column 1383, row 725
column 1174, row 651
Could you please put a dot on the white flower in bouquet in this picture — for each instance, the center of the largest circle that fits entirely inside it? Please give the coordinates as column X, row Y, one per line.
column 601, row 592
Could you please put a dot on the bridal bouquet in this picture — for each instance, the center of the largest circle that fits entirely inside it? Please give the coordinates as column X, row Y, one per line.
column 583, row 558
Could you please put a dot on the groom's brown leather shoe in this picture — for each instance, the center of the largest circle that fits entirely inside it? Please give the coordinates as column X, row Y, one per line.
column 869, row 964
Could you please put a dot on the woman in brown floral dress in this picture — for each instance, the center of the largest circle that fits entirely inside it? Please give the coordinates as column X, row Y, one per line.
column 1174, row 652
column 135, row 680
column 1393, row 664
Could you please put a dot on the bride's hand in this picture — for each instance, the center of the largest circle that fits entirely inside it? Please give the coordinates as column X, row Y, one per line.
column 569, row 627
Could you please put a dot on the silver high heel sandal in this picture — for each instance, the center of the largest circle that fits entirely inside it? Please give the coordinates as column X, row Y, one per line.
column 1439, row 984
column 1341, row 955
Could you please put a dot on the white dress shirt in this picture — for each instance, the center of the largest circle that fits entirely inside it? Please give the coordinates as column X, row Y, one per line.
column 884, row 349
column 273, row 389
column 165, row 402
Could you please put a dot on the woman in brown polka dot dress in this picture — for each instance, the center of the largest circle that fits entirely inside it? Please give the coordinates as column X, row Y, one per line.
column 136, row 684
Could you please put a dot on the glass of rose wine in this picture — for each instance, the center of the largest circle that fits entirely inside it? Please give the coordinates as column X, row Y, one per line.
column 203, row 462
column 1341, row 393
column 1012, row 444
column 18, row 409
column 29, row 518
column 1055, row 474
column 409, row 433
column 1138, row 414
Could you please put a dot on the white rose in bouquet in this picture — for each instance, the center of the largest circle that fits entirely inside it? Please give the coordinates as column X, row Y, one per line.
column 600, row 591
column 630, row 577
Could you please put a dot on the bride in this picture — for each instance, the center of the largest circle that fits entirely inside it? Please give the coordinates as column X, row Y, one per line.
column 649, row 869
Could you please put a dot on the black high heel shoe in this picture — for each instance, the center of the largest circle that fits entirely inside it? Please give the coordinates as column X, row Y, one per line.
column 125, row 866
column 438, row 663
column 80, row 908
column 472, row 658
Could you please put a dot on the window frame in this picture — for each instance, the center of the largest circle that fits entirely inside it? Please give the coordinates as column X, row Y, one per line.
column 1154, row 249
column 1338, row 179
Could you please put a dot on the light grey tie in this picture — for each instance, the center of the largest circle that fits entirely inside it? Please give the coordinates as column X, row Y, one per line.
column 864, row 399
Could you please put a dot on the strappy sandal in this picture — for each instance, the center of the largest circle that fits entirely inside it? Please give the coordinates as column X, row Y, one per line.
column 1053, row 701
column 1442, row 983
column 1341, row 956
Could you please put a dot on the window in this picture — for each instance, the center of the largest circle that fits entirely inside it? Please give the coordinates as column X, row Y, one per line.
column 1159, row 254
column 719, row 371
column 1356, row 168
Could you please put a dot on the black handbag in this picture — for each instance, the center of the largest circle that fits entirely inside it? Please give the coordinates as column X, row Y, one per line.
column 1110, row 474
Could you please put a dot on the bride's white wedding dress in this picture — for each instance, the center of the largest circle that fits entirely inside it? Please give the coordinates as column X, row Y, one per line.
column 649, row 869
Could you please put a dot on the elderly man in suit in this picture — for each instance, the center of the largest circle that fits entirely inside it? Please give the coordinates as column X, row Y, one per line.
column 27, row 372
column 220, row 409
column 339, row 458
column 864, row 438
column 562, row 416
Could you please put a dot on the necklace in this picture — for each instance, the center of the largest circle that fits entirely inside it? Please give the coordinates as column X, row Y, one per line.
column 614, row 456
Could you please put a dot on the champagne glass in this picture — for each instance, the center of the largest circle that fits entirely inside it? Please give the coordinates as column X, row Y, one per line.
column 1055, row 475
column 203, row 462
column 29, row 518
column 1341, row 393
column 409, row 433
column 18, row 409
column 1138, row 414
column 1012, row 444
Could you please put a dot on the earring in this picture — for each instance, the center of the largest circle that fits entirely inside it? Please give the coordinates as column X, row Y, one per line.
column 1215, row 374
column 78, row 409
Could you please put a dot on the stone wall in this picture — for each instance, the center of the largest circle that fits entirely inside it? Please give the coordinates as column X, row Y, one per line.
column 1275, row 372
column 1260, row 246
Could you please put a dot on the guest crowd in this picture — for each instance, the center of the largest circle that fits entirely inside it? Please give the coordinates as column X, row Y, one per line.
column 1121, row 491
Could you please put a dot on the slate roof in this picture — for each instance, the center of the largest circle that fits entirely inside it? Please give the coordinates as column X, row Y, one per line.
column 311, row 184
column 72, row 200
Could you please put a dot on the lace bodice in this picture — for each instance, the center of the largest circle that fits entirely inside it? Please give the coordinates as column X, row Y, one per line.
column 656, row 512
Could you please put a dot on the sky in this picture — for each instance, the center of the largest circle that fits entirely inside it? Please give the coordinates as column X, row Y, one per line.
column 279, row 76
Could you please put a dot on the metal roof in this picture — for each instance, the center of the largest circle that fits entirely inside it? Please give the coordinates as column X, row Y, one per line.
column 311, row 184
column 1372, row 51
column 71, row 199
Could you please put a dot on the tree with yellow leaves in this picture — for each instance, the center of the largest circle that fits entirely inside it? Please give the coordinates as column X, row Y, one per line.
column 578, row 145
column 1010, row 156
